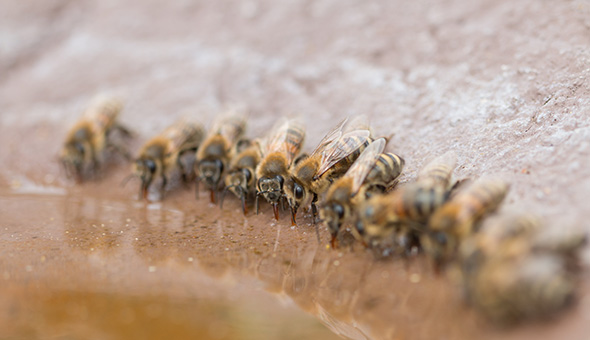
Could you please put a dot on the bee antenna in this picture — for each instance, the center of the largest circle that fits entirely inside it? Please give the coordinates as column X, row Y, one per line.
column 127, row 179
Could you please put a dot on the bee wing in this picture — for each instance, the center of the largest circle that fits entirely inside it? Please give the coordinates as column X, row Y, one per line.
column 232, row 128
column 104, row 110
column 330, row 138
column 342, row 148
column 363, row 165
column 181, row 134
column 439, row 169
column 287, row 139
column 358, row 122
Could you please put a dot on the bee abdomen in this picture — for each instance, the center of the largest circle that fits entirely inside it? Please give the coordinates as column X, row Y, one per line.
column 419, row 202
column 352, row 142
column 294, row 140
column 484, row 195
column 386, row 170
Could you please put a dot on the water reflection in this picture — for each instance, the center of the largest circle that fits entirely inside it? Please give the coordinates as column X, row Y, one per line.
column 167, row 246
column 355, row 296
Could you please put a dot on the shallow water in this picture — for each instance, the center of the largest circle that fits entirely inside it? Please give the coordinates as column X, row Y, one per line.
column 89, row 261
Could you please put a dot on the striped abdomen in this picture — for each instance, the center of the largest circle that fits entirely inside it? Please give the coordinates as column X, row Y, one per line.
column 416, row 203
column 439, row 171
column 294, row 138
column 480, row 198
column 385, row 172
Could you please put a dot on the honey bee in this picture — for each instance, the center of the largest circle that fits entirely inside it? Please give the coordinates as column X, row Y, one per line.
column 516, row 235
column 395, row 220
column 458, row 217
column 439, row 171
column 513, row 269
column 371, row 172
column 281, row 149
column 529, row 287
column 329, row 161
column 214, row 154
column 84, row 150
column 240, row 179
column 162, row 154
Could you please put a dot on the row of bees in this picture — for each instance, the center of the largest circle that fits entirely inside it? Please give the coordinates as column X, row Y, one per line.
column 510, row 269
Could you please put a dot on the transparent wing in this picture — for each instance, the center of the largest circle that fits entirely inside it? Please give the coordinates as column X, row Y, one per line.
column 287, row 139
column 358, row 122
column 440, row 169
column 342, row 148
column 364, row 164
column 181, row 133
column 232, row 127
column 330, row 138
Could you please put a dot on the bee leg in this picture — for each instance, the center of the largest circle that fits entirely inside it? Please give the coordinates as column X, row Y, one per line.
column 293, row 217
column 256, row 202
column 333, row 241
column 222, row 198
column 145, row 183
column 314, row 209
column 212, row 195
column 163, row 187
column 275, row 209
column 181, row 168
column 244, row 206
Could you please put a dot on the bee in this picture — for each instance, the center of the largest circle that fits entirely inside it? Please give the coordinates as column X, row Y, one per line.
column 330, row 160
column 479, row 246
column 214, row 154
column 162, row 154
column 395, row 220
column 84, row 149
column 241, row 177
column 281, row 150
column 512, row 236
column 371, row 172
column 529, row 287
column 458, row 217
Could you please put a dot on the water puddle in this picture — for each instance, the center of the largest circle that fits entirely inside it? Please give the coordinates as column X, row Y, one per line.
column 106, row 264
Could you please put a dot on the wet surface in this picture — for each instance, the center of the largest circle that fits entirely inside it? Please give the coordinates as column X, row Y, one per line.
column 503, row 84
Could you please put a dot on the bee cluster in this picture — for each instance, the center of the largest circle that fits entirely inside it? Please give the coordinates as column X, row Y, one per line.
column 510, row 269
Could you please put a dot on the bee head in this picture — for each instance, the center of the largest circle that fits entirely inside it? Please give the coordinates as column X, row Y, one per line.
column 72, row 158
column 210, row 172
column 333, row 214
column 271, row 188
column 296, row 193
column 145, row 168
column 439, row 246
column 238, row 182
